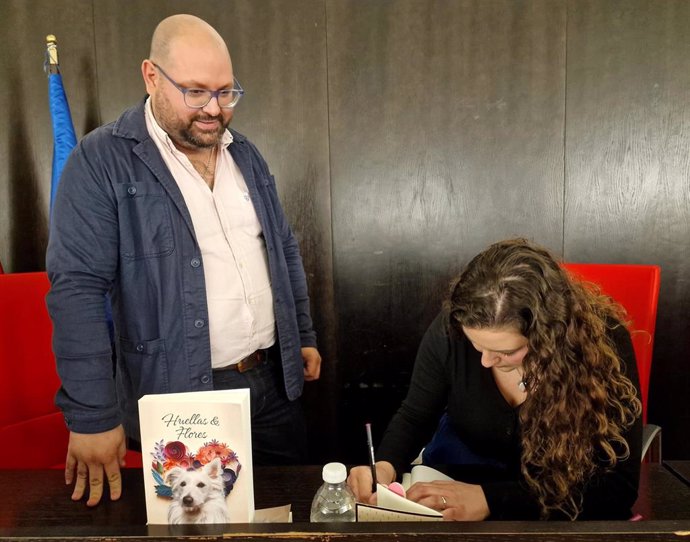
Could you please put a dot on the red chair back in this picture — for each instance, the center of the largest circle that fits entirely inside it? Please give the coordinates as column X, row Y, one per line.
column 33, row 434
column 636, row 288
column 32, row 431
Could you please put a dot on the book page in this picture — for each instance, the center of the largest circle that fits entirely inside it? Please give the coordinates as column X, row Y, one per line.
column 393, row 507
column 422, row 473
column 277, row 514
column 392, row 501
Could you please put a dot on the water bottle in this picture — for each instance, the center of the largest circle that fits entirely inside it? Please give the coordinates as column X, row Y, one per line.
column 334, row 501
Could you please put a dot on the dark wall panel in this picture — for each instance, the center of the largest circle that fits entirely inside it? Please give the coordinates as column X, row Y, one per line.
column 446, row 125
column 427, row 129
column 25, row 135
column 628, row 169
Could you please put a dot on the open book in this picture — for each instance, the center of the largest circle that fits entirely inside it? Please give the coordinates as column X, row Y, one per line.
column 393, row 507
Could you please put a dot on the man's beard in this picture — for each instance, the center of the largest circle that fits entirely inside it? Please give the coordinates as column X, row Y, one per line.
column 182, row 131
column 203, row 139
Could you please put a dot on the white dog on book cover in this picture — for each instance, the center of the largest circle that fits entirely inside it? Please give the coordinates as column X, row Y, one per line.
column 198, row 495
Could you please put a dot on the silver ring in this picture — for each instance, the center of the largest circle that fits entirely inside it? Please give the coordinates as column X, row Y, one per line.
column 444, row 501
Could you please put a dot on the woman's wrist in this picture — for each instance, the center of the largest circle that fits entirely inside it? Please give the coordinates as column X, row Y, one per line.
column 385, row 472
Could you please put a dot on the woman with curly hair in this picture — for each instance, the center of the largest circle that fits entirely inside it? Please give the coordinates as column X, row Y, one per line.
column 535, row 376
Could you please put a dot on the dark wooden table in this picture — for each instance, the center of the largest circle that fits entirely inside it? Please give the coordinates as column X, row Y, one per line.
column 679, row 468
column 35, row 505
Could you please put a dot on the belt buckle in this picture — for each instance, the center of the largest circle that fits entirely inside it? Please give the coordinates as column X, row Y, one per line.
column 251, row 361
column 242, row 365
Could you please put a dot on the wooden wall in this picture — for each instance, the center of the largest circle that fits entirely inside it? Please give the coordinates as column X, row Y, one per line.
column 627, row 175
column 405, row 136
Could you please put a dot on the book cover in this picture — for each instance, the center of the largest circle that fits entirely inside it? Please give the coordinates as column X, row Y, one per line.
column 197, row 455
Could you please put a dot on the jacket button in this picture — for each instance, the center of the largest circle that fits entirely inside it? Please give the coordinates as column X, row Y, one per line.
column 140, row 348
column 132, row 190
column 198, row 323
column 195, row 262
column 205, row 379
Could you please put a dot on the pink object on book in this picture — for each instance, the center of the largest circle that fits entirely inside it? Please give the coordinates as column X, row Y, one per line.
column 395, row 487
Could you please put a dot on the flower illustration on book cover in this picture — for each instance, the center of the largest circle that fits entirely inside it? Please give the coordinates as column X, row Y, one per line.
column 196, row 483
column 175, row 454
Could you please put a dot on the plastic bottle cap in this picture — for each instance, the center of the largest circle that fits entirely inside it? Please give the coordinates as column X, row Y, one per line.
column 334, row 473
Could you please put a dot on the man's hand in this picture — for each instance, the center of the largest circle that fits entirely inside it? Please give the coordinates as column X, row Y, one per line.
column 88, row 456
column 312, row 363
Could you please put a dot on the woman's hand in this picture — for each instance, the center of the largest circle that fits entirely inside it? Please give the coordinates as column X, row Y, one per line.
column 457, row 500
column 360, row 480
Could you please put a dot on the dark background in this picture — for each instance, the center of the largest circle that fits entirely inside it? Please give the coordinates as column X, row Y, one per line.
column 405, row 136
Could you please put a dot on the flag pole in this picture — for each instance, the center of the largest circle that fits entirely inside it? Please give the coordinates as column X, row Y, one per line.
column 64, row 138
column 53, row 66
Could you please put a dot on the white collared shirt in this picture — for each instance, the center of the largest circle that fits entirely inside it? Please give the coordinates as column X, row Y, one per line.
column 238, row 285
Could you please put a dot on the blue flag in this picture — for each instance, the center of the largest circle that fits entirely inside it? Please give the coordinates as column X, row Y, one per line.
column 64, row 138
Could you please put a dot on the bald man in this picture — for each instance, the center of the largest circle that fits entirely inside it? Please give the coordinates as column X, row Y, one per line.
column 175, row 217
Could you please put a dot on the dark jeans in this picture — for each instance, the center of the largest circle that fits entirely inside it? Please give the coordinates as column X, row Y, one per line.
column 279, row 432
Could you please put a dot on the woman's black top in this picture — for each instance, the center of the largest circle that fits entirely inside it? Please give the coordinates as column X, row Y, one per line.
column 448, row 376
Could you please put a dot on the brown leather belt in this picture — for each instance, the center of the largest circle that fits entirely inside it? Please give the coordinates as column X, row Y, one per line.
column 252, row 360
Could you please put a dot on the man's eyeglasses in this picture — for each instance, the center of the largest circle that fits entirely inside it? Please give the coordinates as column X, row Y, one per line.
column 200, row 97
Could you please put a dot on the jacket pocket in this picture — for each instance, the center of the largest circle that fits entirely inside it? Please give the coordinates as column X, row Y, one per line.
column 145, row 364
column 145, row 221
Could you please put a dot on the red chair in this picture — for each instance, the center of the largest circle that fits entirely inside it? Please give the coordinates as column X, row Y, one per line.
column 636, row 288
column 32, row 430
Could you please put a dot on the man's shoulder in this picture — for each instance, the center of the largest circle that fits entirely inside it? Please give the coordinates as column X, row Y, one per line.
column 127, row 127
column 241, row 139
column 131, row 124
column 242, row 147
column 237, row 136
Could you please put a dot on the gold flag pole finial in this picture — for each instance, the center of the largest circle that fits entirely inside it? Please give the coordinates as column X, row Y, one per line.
column 52, row 54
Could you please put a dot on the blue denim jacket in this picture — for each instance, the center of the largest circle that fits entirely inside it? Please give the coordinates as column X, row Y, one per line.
column 120, row 226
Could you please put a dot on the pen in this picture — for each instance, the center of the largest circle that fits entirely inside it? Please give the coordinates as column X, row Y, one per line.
column 372, row 461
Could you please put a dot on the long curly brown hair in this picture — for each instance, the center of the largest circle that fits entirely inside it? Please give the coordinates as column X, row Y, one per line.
column 579, row 402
